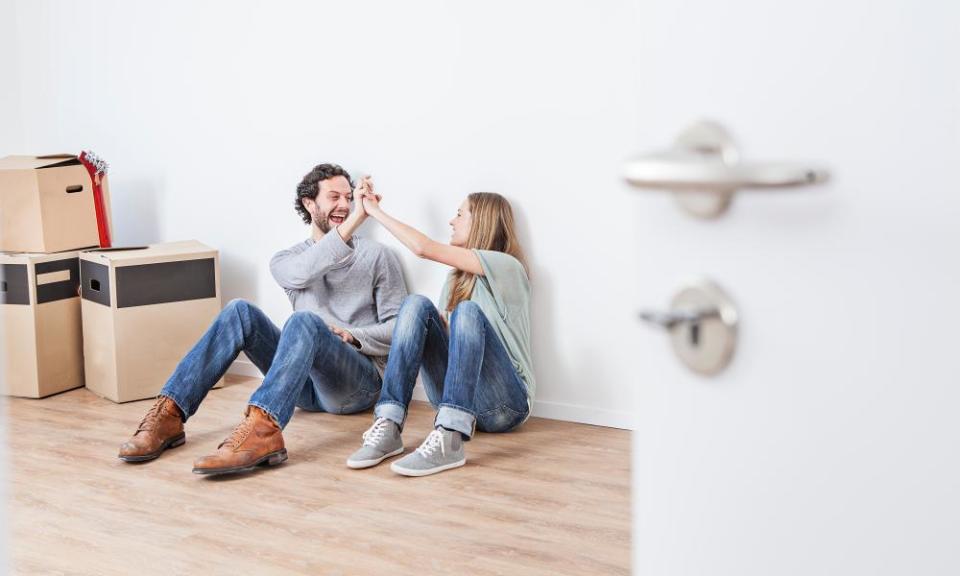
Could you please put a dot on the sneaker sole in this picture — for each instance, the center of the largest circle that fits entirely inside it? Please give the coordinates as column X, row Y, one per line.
column 416, row 473
column 271, row 459
column 359, row 464
column 168, row 443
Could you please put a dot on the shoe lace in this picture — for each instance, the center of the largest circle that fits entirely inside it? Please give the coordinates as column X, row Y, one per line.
column 431, row 443
column 150, row 419
column 375, row 433
column 239, row 434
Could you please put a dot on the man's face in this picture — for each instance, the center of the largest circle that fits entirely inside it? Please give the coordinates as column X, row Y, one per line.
column 332, row 205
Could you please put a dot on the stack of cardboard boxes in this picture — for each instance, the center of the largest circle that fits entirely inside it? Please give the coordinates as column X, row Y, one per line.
column 117, row 320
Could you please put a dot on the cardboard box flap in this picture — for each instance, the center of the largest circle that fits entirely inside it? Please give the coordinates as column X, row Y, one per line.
column 38, row 162
column 15, row 257
column 25, row 257
column 158, row 251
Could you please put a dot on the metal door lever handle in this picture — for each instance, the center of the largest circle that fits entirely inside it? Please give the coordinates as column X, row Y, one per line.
column 703, row 170
column 677, row 171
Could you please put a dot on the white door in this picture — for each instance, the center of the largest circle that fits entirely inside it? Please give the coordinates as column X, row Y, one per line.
column 830, row 444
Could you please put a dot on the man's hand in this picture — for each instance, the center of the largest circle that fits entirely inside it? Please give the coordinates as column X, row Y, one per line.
column 345, row 335
column 359, row 214
column 363, row 186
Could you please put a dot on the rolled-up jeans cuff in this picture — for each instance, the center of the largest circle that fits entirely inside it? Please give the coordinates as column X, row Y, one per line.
column 455, row 418
column 391, row 411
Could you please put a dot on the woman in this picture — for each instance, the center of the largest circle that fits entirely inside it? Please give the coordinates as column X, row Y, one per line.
column 473, row 356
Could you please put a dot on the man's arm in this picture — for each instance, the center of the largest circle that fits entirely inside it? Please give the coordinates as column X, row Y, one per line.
column 389, row 292
column 297, row 268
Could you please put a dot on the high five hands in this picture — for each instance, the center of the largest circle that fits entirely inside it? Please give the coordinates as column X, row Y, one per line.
column 369, row 201
column 359, row 214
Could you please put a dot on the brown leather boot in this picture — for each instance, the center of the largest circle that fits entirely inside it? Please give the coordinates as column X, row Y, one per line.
column 160, row 429
column 256, row 440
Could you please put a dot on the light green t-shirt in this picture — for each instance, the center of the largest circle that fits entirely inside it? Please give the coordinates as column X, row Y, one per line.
column 503, row 294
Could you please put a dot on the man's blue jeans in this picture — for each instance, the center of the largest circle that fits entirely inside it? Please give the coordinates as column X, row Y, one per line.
column 468, row 374
column 304, row 365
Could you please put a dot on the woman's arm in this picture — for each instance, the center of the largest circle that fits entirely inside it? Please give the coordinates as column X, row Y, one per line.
column 419, row 243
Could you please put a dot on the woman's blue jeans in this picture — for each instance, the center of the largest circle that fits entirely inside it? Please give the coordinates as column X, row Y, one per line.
column 467, row 374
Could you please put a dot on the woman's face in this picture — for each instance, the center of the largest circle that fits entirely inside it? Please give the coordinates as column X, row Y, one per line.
column 461, row 225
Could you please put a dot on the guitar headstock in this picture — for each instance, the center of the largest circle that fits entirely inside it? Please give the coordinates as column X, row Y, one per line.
column 98, row 164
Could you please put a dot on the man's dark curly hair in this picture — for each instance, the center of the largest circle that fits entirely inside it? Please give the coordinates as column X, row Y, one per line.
column 309, row 187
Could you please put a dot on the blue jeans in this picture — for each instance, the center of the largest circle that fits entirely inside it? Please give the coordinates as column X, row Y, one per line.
column 468, row 374
column 304, row 365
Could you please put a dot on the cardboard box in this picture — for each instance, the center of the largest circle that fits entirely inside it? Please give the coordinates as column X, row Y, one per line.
column 41, row 346
column 46, row 204
column 143, row 310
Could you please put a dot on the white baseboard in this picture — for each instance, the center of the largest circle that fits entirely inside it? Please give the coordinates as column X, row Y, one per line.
column 583, row 414
column 568, row 413
column 541, row 409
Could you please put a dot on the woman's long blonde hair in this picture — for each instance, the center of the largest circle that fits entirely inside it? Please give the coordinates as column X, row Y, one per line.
column 491, row 228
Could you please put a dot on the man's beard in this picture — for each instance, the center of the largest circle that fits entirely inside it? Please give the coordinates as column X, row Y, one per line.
column 322, row 221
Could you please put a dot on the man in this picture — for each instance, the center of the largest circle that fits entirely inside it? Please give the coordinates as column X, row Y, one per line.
column 346, row 292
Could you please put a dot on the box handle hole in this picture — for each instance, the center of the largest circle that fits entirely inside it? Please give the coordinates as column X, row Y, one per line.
column 74, row 188
column 94, row 285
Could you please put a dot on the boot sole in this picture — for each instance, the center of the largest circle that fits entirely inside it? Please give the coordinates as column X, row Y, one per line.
column 271, row 459
column 360, row 464
column 172, row 442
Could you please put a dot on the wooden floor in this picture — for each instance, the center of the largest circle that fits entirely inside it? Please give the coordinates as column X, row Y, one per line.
column 551, row 498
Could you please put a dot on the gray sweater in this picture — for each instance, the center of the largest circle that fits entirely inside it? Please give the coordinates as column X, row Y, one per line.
column 359, row 287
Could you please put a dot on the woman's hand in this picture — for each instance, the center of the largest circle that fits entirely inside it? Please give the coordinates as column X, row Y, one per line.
column 371, row 201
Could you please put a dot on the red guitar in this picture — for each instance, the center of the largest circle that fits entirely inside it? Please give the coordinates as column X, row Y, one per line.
column 97, row 168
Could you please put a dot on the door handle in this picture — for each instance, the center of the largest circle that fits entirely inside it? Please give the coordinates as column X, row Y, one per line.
column 704, row 170
column 679, row 171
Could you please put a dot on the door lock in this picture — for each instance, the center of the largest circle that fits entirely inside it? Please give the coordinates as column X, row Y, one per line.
column 702, row 323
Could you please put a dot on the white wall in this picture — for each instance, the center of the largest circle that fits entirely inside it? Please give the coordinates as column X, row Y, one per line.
column 210, row 113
